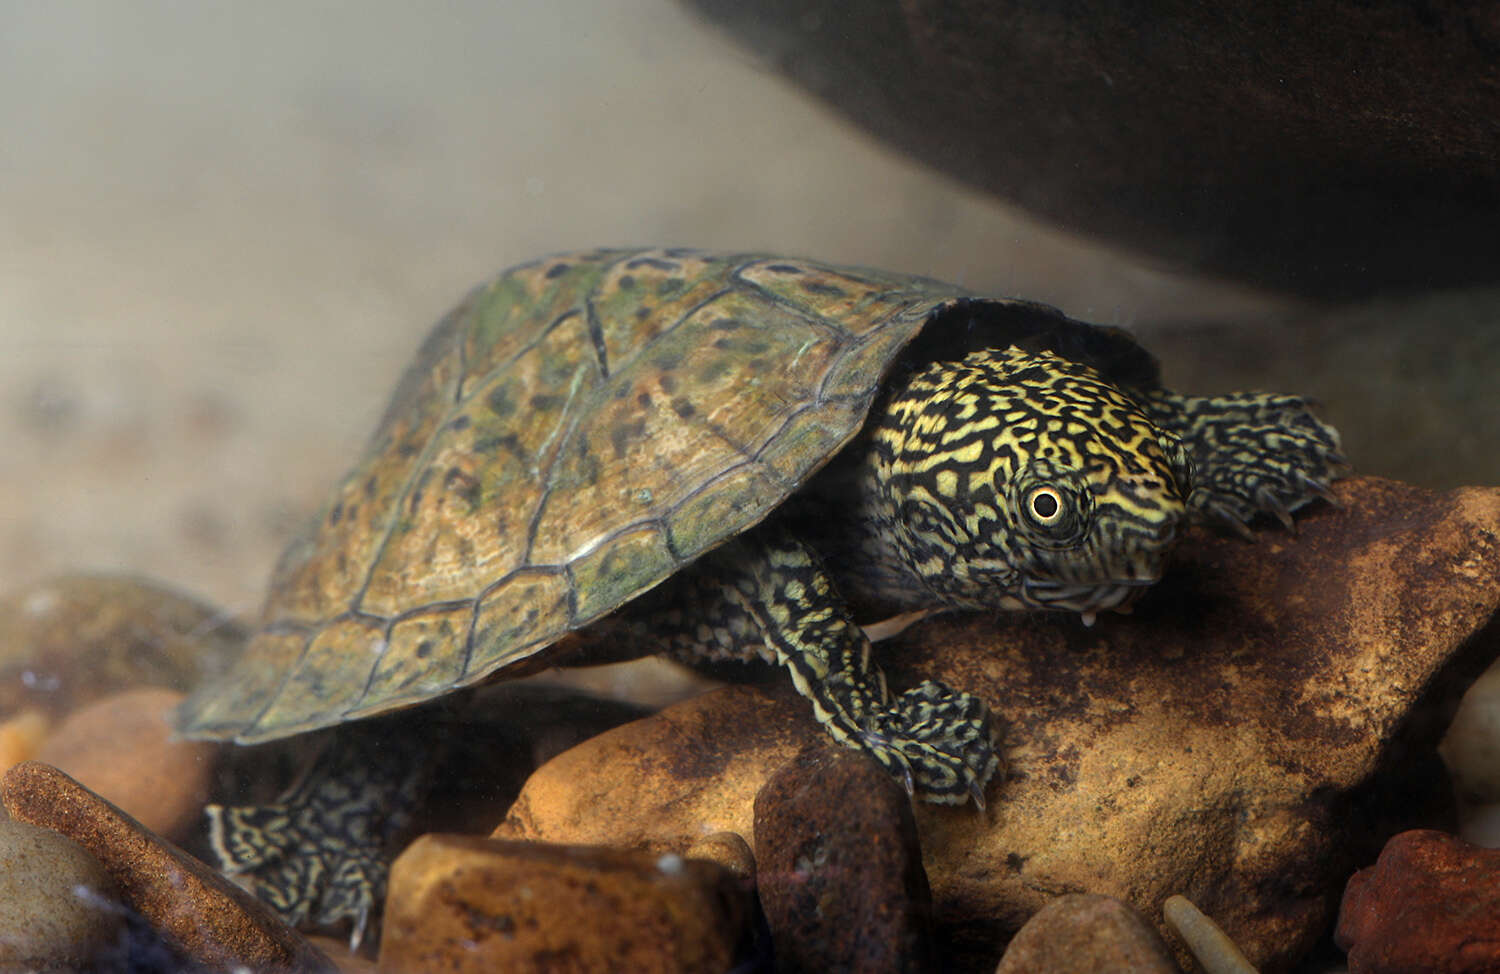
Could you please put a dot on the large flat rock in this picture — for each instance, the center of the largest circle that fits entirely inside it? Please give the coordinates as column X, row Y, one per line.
column 1234, row 740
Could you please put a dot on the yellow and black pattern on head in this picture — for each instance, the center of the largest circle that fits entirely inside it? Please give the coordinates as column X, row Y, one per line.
column 1016, row 479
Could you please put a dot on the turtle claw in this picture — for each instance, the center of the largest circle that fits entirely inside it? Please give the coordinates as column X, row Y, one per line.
column 976, row 792
column 1252, row 453
column 1226, row 517
column 1272, row 504
column 1320, row 490
column 357, row 931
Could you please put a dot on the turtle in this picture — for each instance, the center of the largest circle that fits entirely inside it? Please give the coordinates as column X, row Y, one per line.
column 717, row 457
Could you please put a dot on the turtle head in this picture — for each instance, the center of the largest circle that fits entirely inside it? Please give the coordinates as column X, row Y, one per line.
column 1017, row 479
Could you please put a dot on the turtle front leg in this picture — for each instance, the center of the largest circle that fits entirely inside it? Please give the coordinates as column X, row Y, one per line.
column 319, row 854
column 1251, row 453
column 939, row 742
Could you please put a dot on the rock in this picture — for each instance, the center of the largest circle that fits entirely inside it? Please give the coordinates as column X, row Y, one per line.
column 1430, row 903
column 728, row 849
column 713, row 776
column 1330, row 148
column 122, row 748
column 1229, row 740
column 199, row 913
column 459, row 903
column 59, row 909
column 1084, row 933
column 1206, row 941
column 67, row 641
column 1471, row 747
column 21, row 736
column 841, row 877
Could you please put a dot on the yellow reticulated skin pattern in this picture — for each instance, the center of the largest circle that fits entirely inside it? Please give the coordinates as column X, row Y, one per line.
column 1013, row 477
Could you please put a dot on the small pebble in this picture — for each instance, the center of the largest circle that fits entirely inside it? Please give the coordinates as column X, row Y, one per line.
column 1430, row 903
column 728, row 849
column 196, row 911
column 840, row 868
column 59, row 909
column 1471, row 747
column 461, row 903
column 1084, row 933
column 1214, row 950
column 122, row 748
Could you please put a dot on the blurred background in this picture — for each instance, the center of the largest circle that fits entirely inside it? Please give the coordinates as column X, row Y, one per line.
column 224, row 228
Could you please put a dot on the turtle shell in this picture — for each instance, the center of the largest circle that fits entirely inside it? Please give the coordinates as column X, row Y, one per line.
column 569, row 436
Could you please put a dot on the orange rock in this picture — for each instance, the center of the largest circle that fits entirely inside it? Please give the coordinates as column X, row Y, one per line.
column 21, row 736
column 459, row 903
column 122, row 748
column 596, row 793
column 201, row 914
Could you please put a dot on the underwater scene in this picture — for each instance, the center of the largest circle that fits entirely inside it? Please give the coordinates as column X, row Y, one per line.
column 750, row 486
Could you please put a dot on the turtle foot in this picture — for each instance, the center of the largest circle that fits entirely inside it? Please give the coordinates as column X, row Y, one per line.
column 939, row 742
column 309, row 873
column 319, row 855
column 1252, row 453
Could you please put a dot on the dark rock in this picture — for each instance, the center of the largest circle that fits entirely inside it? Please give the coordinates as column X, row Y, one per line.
column 1083, row 933
column 1333, row 148
column 840, row 869
column 201, row 914
column 1431, row 903
column 459, row 903
column 1231, row 740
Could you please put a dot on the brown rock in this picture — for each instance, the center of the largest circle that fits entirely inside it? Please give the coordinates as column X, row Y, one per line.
column 198, row 912
column 1430, row 903
column 67, row 641
column 122, row 748
column 1333, row 147
column 841, row 876
column 1224, row 742
column 1084, row 933
column 459, row 903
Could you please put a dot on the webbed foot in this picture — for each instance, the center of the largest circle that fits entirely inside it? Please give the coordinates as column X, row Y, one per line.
column 939, row 742
column 319, row 854
column 1252, row 453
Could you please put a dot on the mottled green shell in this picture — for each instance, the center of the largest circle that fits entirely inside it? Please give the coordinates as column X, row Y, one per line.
column 568, row 437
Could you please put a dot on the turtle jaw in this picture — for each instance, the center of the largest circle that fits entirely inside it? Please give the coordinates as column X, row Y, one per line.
column 1088, row 600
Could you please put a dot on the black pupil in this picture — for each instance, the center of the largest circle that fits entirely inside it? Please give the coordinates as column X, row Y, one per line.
column 1045, row 505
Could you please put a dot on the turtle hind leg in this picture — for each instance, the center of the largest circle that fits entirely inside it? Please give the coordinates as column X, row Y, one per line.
column 319, row 854
column 1252, row 453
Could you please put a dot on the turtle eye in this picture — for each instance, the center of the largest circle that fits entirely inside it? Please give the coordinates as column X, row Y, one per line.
column 1045, row 505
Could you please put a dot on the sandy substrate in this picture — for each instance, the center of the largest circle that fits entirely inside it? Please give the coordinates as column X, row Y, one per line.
column 224, row 228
